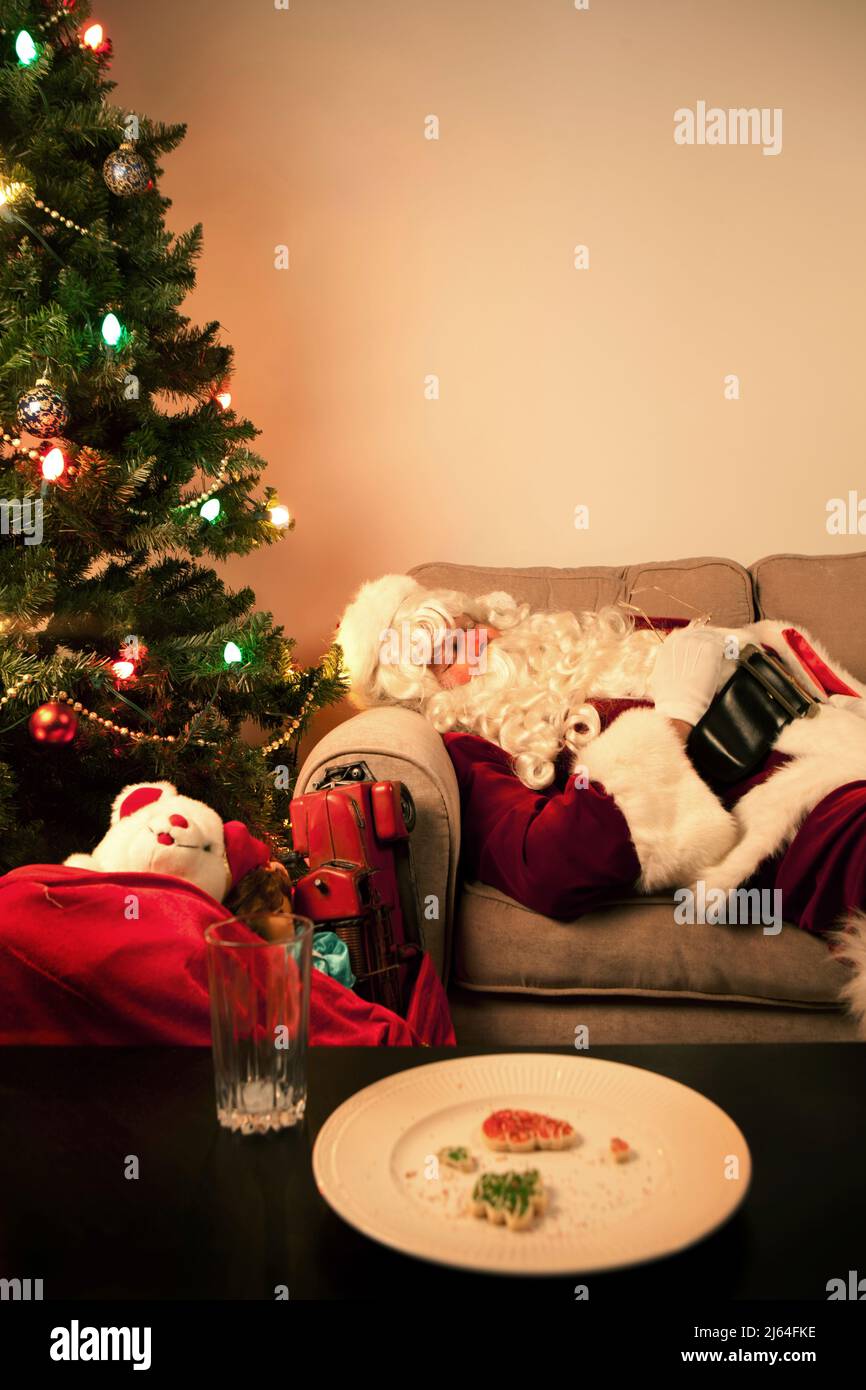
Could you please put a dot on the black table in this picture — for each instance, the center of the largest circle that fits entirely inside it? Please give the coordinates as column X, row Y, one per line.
column 217, row 1216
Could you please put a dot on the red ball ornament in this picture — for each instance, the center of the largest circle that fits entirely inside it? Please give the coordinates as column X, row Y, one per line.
column 53, row 723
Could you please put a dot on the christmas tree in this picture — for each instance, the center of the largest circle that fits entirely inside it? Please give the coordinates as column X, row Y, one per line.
column 123, row 657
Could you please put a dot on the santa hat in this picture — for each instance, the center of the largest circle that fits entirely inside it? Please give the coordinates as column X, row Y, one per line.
column 243, row 851
column 359, row 634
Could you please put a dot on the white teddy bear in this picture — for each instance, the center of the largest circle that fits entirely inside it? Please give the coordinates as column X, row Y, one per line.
column 155, row 829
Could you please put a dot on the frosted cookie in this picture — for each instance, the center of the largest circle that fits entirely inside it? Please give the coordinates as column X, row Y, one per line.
column 459, row 1158
column 511, row 1199
column 521, row 1131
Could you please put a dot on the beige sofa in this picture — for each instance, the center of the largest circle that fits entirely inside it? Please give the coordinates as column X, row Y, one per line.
column 628, row 973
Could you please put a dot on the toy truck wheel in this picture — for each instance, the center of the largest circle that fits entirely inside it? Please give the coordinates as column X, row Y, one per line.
column 393, row 811
column 407, row 806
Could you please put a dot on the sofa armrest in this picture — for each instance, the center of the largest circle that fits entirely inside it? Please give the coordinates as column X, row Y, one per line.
column 400, row 745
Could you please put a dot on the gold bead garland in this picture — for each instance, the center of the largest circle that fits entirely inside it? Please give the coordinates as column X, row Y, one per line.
column 42, row 26
column 291, row 729
column 12, row 193
column 74, row 226
column 13, row 690
column 63, row 698
column 133, row 734
column 202, row 497
column 14, row 441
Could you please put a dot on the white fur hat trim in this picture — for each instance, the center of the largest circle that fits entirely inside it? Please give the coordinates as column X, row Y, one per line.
column 370, row 613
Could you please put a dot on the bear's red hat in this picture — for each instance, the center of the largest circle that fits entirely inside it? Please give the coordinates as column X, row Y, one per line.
column 243, row 851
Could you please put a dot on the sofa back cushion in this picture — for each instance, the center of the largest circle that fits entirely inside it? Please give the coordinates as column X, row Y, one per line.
column 675, row 589
column 826, row 594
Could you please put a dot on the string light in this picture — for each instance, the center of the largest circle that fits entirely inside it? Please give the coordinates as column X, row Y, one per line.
column 112, row 330
column 26, row 49
column 232, row 654
column 92, row 37
column 280, row 516
column 53, row 464
column 124, row 670
column 223, row 399
column 37, row 455
column 210, row 510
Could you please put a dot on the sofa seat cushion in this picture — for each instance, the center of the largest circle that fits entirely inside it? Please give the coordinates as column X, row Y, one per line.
column 634, row 947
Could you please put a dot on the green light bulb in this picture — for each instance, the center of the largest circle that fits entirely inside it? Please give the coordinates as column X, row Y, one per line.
column 232, row 654
column 26, row 49
column 112, row 330
column 210, row 509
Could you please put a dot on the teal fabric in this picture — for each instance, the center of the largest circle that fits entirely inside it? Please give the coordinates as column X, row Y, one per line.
column 331, row 956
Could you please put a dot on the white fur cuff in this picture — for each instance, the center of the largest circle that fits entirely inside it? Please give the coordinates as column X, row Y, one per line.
column 675, row 822
column 851, row 944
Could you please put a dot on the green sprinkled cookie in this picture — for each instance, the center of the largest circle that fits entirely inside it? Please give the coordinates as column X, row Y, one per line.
column 458, row 1157
column 512, row 1199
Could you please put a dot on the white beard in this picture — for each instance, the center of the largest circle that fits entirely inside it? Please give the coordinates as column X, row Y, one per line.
column 531, row 698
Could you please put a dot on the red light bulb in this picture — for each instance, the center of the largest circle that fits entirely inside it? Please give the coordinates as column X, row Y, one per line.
column 123, row 669
column 53, row 464
column 93, row 36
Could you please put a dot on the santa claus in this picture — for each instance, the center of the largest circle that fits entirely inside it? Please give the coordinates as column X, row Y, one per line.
column 616, row 801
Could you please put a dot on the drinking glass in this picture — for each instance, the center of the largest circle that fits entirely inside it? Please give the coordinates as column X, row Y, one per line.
column 260, row 1008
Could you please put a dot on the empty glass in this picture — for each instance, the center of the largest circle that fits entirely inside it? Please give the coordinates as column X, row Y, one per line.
column 260, row 1006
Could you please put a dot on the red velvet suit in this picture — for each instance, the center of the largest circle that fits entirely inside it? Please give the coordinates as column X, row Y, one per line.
column 567, row 850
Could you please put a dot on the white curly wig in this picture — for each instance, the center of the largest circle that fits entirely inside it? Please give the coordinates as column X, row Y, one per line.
column 531, row 690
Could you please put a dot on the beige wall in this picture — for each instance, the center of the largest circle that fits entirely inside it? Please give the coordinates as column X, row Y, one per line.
column 411, row 256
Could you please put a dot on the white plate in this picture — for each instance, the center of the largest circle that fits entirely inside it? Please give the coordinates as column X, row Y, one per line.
column 690, row 1170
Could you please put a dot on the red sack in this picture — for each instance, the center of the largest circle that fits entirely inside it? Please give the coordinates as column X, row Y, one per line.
column 120, row 959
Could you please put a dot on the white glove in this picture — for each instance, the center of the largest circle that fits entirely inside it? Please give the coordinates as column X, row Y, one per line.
column 686, row 673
